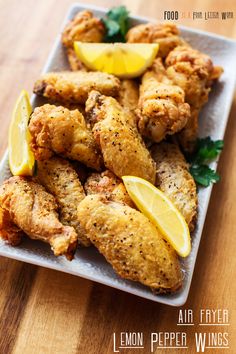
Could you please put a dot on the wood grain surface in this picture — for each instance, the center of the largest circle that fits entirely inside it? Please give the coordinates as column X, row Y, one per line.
column 44, row 311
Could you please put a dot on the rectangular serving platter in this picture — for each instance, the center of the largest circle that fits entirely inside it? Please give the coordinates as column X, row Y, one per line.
column 88, row 263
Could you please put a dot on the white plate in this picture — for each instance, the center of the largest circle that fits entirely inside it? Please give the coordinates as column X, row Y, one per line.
column 88, row 263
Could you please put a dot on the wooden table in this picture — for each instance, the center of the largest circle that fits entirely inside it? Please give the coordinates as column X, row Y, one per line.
column 44, row 311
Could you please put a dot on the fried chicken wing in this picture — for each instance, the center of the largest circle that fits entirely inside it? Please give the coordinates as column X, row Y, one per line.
column 74, row 87
column 174, row 179
column 130, row 243
column 57, row 130
column 166, row 34
column 128, row 94
column 60, row 179
column 128, row 98
column 123, row 150
column 194, row 72
column 108, row 185
column 162, row 109
column 83, row 28
column 74, row 62
column 32, row 210
column 188, row 135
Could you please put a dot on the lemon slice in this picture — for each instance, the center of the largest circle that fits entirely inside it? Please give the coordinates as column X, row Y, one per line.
column 21, row 158
column 160, row 210
column 125, row 60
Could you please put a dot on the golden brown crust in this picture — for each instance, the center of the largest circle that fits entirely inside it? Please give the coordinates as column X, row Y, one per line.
column 166, row 34
column 130, row 243
column 108, row 185
column 174, row 179
column 123, row 150
column 60, row 179
column 57, row 130
column 187, row 137
column 195, row 73
column 162, row 109
column 83, row 28
column 74, row 87
column 74, row 62
column 34, row 212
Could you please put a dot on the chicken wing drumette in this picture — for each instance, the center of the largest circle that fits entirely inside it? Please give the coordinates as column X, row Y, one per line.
column 130, row 243
column 68, row 87
column 195, row 73
column 174, row 179
column 27, row 208
column 61, row 180
column 123, row 150
column 108, row 185
column 57, row 130
column 162, row 109
column 166, row 34
column 83, row 28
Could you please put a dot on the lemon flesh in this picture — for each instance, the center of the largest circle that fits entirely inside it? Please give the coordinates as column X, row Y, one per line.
column 21, row 158
column 125, row 60
column 152, row 202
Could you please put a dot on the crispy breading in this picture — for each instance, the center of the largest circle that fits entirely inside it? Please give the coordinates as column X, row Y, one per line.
column 123, row 150
column 162, row 109
column 128, row 98
column 74, row 87
column 128, row 94
column 195, row 73
column 57, row 130
column 109, row 185
column 166, row 34
column 8, row 230
column 74, row 62
column 188, row 135
column 32, row 210
column 130, row 243
column 83, row 28
column 61, row 180
column 174, row 179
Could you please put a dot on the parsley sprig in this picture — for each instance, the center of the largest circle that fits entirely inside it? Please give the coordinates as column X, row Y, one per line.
column 117, row 24
column 206, row 150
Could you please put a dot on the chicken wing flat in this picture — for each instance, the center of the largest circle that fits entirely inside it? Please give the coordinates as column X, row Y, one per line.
column 130, row 243
column 57, row 130
column 60, row 179
column 162, row 109
column 174, row 179
column 73, row 87
column 128, row 94
column 166, row 34
column 33, row 211
column 128, row 98
column 83, row 28
column 195, row 73
column 123, row 150
column 108, row 185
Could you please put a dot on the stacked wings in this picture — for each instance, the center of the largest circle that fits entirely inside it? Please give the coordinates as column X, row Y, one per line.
column 93, row 130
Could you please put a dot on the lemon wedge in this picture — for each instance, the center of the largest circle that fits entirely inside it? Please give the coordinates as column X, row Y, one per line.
column 153, row 203
column 125, row 60
column 21, row 158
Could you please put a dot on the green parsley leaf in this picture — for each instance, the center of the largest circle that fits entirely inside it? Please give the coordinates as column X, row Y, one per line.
column 204, row 175
column 117, row 24
column 206, row 150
